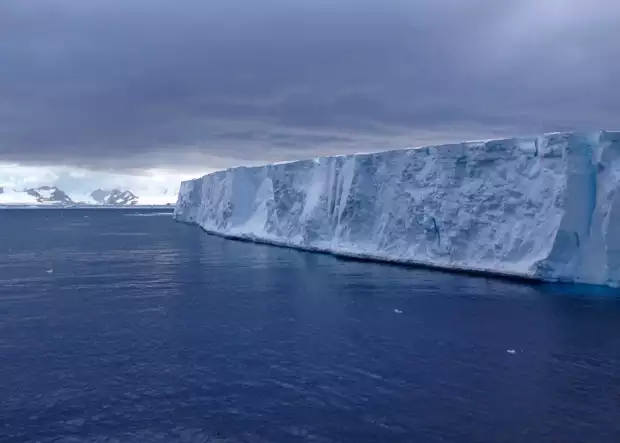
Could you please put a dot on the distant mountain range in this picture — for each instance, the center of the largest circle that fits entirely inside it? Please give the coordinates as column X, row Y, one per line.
column 53, row 196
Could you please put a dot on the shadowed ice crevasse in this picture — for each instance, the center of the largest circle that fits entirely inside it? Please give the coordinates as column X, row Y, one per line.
column 544, row 207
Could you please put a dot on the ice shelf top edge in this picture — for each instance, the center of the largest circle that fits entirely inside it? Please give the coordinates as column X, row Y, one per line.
column 517, row 140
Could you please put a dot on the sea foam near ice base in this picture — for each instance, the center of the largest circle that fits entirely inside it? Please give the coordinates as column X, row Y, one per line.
column 544, row 207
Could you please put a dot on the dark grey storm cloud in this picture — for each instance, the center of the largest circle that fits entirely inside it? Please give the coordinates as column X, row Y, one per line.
column 118, row 83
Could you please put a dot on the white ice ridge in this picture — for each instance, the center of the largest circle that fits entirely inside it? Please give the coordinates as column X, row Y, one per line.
column 543, row 207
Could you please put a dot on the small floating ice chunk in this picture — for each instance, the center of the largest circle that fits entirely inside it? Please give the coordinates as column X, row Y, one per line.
column 398, row 311
column 49, row 271
column 511, row 351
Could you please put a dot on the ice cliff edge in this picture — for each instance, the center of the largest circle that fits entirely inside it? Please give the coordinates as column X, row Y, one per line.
column 543, row 207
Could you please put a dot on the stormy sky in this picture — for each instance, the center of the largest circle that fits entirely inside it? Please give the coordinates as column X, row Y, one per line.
column 138, row 84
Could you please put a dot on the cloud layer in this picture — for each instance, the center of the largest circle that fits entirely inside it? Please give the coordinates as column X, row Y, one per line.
column 153, row 83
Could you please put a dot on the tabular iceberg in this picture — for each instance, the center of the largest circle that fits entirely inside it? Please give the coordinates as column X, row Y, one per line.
column 544, row 207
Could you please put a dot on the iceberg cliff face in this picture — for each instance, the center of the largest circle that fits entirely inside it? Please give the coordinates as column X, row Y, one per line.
column 543, row 207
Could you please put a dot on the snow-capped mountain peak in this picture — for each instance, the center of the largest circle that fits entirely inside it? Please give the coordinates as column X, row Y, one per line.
column 49, row 194
column 115, row 197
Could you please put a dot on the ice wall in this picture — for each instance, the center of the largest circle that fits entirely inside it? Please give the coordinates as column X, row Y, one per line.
column 544, row 207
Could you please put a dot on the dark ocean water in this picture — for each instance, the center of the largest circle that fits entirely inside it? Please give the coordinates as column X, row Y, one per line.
column 150, row 331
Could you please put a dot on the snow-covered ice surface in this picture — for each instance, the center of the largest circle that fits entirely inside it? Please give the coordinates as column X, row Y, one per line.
column 13, row 197
column 544, row 207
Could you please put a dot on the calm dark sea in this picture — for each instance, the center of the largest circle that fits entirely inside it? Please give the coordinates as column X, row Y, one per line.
column 123, row 326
